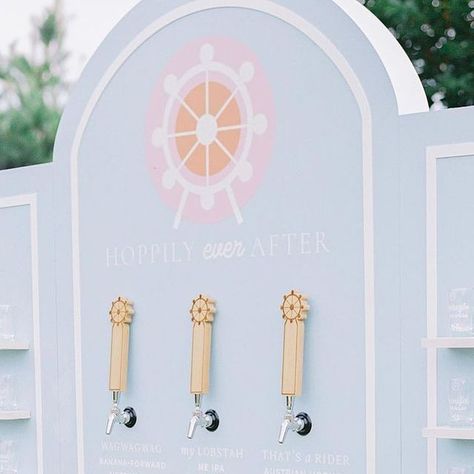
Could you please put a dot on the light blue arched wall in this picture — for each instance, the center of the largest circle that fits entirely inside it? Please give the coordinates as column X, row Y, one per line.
column 346, row 145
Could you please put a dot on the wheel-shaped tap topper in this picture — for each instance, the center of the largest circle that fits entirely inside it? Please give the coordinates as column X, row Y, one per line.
column 202, row 310
column 210, row 130
column 294, row 307
column 294, row 311
column 202, row 315
column 121, row 311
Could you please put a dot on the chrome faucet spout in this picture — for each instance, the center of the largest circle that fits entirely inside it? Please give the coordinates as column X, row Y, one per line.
column 110, row 423
column 300, row 423
column 208, row 420
column 193, row 424
column 127, row 417
column 285, row 427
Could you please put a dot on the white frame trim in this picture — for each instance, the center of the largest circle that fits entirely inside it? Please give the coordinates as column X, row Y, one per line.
column 448, row 432
column 449, row 342
column 30, row 200
column 14, row 415
column 433, row 154
column 278, row 11
column 14, row 346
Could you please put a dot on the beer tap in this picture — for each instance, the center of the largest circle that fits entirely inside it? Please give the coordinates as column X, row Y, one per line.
column 202, row 315
column 294, row 311
column 121, row 315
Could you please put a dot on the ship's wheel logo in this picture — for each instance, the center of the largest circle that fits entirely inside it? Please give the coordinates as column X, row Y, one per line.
column 211, row 141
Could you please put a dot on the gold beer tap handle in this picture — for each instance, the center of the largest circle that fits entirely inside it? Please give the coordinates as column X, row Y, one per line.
column 294, row 310
column 121, row 314
column 202, row 315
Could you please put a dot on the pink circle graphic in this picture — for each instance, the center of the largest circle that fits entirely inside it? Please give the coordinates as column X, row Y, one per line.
column 210, row 130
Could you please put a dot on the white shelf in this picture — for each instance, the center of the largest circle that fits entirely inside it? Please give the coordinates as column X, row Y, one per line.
column 14, row 346
column 448, row 432
column 449, row 343
column 14, row 415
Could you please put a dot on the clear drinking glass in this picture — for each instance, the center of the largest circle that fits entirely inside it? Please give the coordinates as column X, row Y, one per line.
column 460, row 470
column 8, row 393
column 461, row 311
column 461, row 406
column 7, row 322
column 8, row 457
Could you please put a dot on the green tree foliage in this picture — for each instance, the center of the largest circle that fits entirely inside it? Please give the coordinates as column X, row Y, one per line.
column 32, row 94
column 438, row 36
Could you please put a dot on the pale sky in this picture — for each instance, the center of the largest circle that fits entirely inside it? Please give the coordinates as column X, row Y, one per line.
column 89, row 21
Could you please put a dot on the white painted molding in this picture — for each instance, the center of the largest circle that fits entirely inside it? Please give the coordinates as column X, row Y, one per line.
column 433, row 154
column 14, row 346
column 449, row 343
column 30, row 200
column 408, row 89
column 448, row 432
column 14, row 415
